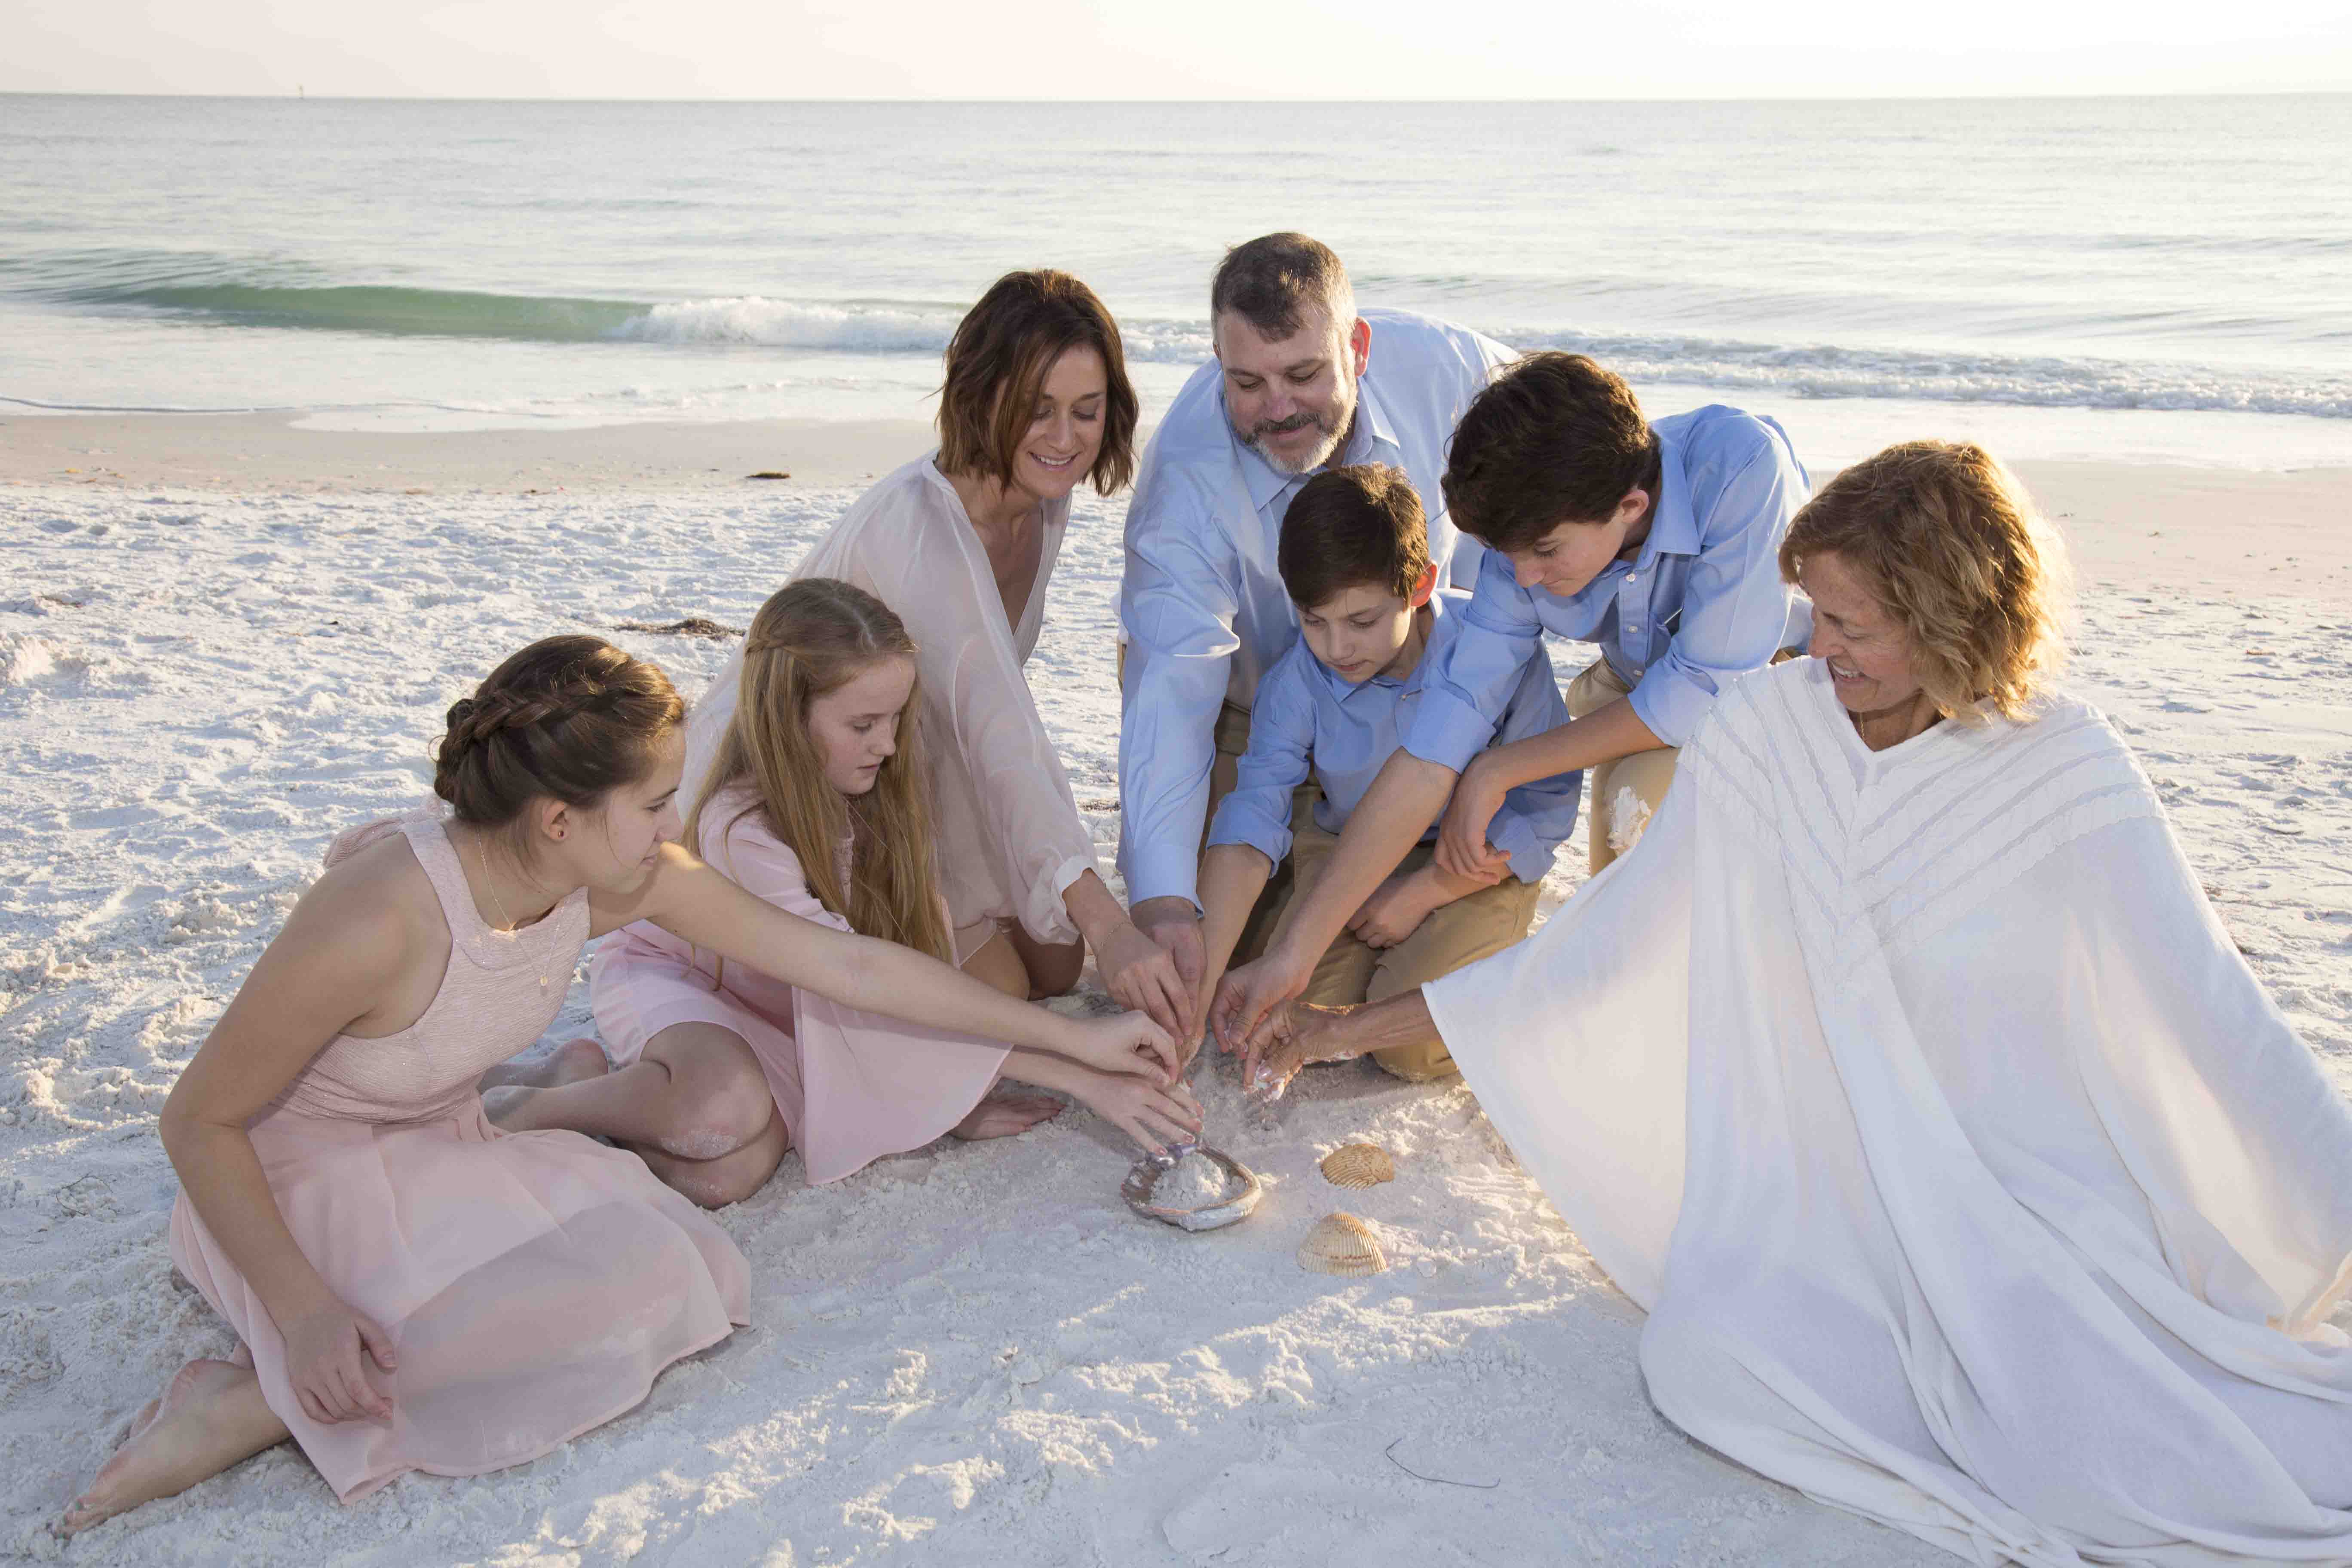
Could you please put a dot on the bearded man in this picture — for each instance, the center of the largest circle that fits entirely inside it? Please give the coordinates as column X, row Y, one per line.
column 1300, row 381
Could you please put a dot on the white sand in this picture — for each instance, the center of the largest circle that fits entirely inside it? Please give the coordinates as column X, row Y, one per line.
column 974, row 1354
column 1193, row 1182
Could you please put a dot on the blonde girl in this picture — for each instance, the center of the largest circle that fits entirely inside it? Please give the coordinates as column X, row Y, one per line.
column 819, row 803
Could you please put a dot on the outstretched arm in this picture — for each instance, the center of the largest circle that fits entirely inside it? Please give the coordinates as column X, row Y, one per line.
column 1232, row 877
column 689, row 899
column 1389, row 820
column 1304, row 1033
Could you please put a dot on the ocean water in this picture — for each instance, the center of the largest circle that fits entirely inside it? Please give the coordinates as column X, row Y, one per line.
column 2095, row 277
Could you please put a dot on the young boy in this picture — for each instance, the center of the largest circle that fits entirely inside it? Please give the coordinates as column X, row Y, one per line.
column 1354, row 558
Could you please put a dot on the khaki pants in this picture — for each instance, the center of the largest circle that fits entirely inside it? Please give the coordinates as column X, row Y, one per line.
column 1614, row 820
column 1463, row 932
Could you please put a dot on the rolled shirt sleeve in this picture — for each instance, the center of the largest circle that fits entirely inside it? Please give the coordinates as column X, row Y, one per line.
column 1475, row 674
column 1178, row 599
column 1281, row 747
column 1735, row 607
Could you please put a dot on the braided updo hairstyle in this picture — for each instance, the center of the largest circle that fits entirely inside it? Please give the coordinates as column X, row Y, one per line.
column 569, row 717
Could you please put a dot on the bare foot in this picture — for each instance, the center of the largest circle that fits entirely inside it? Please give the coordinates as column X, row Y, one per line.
column 210, row 1417
column 509, row 1103
column 141, row 1421
column 1004, row 1115
column 568, row 1063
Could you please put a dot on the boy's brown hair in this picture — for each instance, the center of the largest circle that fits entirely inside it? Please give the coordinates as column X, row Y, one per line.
column 1350, row 526
column 1554, row 439
column 997, row 362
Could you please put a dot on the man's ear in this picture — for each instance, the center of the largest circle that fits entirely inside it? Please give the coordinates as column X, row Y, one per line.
column 1631, row 505
column 1427, row 585
column 1360, row 345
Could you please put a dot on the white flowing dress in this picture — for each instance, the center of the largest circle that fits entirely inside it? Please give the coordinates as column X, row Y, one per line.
column 1970, row 1179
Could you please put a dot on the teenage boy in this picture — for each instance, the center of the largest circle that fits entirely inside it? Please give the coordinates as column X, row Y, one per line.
column 1659, row 542
column 1354, row 558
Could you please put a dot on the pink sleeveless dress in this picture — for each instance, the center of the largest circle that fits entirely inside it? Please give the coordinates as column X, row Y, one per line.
column 850, row 1086
column 533, row 1284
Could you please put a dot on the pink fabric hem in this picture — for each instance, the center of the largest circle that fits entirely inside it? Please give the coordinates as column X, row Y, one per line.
column 369, row 1485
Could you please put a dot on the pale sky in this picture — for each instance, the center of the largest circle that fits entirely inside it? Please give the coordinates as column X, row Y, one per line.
column 1171, row 49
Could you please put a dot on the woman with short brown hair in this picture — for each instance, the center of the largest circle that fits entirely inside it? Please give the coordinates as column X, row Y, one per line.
column 1903, row 1072
column 962, row 544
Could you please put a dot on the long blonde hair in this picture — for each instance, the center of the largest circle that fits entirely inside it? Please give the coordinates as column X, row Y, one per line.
column 812, row 637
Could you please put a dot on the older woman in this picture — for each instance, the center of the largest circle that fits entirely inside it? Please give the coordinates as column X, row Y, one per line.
column 1903, row 1073
column 960, row 543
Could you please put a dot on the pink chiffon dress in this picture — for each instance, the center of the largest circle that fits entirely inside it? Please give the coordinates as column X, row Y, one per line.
column 850, row 1086
column 533, row 1284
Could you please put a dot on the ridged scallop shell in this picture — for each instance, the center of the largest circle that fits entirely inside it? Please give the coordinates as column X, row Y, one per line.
column 1357, row 1165
column 1342, row 1244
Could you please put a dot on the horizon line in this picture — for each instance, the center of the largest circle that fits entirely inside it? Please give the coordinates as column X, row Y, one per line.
column 1944, row 96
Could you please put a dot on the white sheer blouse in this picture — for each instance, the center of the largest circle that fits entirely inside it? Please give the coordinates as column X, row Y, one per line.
column 1010, row 839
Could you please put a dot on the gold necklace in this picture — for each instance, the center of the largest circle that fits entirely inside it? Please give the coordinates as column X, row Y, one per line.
column 489, row 886
column 482, row 858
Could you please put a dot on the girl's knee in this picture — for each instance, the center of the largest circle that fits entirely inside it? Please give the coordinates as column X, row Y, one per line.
column 736, row 1176
column 716, row 1110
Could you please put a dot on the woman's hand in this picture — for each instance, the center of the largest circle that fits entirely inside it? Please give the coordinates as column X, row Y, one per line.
column 1462, row 846
column 324, row 1352
column 1292, row 1038
column 1130, row 1044
column 1248, row 994
column 1393, row 912
column 1140, row 974
column 1154, row 1115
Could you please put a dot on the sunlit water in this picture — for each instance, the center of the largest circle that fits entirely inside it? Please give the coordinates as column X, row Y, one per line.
column 2159, row 277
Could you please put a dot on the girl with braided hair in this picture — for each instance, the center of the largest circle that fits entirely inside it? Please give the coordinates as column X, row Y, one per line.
column 818, row 802
column 413, row 1287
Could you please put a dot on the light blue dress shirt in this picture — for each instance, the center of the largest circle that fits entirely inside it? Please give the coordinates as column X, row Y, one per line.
column 1701, row 603
column 1201, row 603
column 1308, row 717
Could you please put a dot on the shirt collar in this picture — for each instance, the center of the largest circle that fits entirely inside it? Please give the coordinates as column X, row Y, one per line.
column 1674, row 529
column 1373, row 440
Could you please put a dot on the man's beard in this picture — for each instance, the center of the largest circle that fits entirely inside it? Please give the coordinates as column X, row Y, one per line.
column 1336, row 435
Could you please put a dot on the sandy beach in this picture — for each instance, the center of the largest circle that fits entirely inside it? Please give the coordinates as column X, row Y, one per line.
column 223, row 639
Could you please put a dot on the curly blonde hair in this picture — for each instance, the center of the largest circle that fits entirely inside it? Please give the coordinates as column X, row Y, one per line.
column 1954, row 550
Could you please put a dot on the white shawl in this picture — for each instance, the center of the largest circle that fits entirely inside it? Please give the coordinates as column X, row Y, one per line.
column 1970, row 1179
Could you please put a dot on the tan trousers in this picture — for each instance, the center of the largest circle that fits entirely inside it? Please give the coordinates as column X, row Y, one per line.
column 1615, row 818
column 1463, row 932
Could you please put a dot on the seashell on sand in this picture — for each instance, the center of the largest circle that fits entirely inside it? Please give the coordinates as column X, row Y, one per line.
column 1238, row 1190
column 1357, row 1165
column 1342, row 1244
